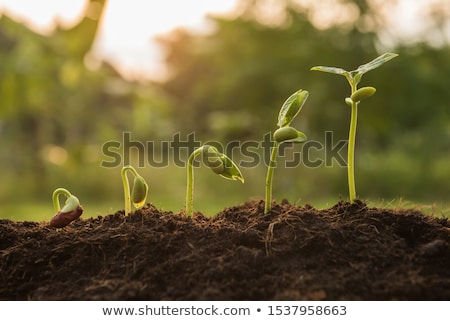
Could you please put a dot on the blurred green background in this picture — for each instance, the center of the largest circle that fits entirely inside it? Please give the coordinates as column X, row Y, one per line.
column 56, row 113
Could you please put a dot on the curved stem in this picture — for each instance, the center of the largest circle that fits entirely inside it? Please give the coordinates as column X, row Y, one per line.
column 190, row 182
column 269, row 178
column 126, row 187
column 55, row 197
column 351, row 150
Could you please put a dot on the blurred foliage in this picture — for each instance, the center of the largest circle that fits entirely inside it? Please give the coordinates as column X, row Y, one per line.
column 231, row 83
column 56, row 113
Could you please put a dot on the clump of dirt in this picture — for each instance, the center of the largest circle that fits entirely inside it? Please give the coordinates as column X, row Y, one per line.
column 346, row 252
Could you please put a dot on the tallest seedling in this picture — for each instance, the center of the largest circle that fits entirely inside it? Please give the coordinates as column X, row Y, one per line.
column 353, row 78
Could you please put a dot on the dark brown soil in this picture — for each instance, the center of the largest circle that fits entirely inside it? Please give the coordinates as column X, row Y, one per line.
column 347, row 252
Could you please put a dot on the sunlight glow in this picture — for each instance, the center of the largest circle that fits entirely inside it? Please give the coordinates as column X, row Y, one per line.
column 128, row 28
column 42, row 15
column 54, row 154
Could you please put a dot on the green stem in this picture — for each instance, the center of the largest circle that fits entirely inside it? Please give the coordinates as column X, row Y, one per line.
column 269, row 178
column 55, row 197
column 351, row 150
column 190, row 182
column 126, row 186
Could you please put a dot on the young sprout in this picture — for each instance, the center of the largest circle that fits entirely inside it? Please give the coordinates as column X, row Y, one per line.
column 219, row 164
column 70, row 211
column 138, row 192
column 284, row 134
column 357, row 95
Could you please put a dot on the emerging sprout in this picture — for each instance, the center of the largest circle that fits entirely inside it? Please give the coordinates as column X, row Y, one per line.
column 70, row 211
column 139, row 191
column 284, row 134
column 219, row 164
column 357, row 95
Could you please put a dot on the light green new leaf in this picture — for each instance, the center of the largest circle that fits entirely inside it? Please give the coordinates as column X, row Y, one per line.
column 377, row 62
column 331, row 70
column 354, row 76
column 334, row 70
column 291, row 107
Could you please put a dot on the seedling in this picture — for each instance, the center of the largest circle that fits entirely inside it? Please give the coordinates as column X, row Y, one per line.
column 218, row 162
column 354, row 77
column 139, row 191
column 70, row 211
column 284, row 134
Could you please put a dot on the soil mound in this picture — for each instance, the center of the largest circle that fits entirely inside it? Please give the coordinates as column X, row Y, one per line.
column 346, row 252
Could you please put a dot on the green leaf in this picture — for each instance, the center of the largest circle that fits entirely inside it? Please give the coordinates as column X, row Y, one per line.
column 354, row 76
column 357, row 74
column 291, row 107
column 336, row 71
column 331, row 70
column 377, row 62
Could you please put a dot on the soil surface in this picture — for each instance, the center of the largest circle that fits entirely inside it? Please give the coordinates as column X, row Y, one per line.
column 346, row 252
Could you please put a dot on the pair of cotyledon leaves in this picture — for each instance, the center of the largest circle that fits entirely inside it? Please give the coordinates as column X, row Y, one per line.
column 354, row 76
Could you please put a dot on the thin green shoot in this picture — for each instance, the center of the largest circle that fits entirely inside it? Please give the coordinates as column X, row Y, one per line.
column 357, row 95
column 285, row 133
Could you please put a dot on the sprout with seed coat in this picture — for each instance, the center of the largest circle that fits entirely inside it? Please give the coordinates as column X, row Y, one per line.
column 70, row 211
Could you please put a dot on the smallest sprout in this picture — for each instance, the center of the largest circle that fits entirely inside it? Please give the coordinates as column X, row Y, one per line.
column 71, row 210
column 219, row 163
column 139, row 191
